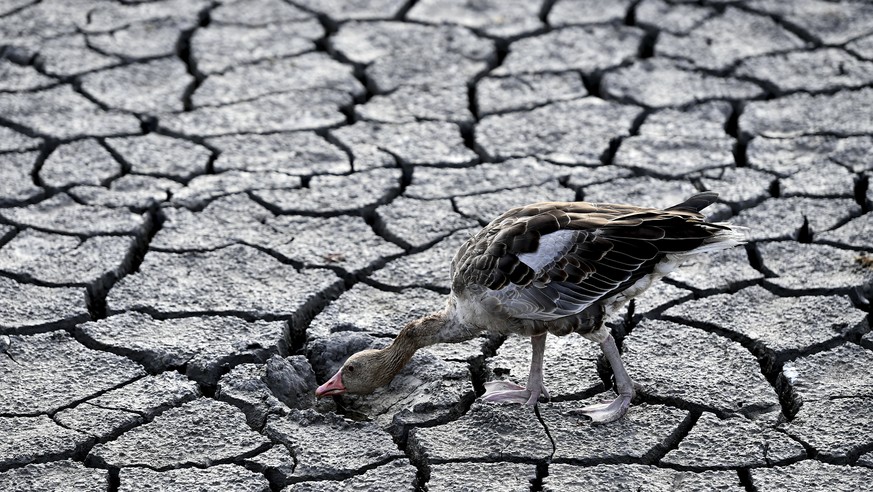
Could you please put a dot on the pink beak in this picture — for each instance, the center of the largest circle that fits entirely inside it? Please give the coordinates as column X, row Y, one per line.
column 334, row 386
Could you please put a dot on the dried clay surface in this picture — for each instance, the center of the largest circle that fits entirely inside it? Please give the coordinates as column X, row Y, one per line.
column 207, row 205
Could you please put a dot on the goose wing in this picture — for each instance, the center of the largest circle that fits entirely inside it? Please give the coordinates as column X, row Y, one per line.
column 550, row 260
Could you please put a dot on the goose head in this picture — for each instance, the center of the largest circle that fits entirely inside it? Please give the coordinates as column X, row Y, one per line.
column 361, row 374
column 367, row 370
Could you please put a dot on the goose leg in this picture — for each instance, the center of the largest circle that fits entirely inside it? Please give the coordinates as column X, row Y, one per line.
column 535, row 378
column 614, row 410
column 505, row 391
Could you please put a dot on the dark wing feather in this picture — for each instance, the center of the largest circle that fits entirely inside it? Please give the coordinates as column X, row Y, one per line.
column 550, row 260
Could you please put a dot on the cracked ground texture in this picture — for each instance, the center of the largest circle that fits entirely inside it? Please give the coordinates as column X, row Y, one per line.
column 207, row 205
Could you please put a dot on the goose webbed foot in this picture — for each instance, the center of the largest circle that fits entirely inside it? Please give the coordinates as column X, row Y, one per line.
column 506, row 392
column 603, row 413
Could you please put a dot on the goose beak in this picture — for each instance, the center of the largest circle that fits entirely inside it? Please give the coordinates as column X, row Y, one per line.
column 334, row 386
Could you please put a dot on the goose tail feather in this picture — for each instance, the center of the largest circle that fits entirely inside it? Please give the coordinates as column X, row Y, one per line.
column 727, row 236
column 696, row 203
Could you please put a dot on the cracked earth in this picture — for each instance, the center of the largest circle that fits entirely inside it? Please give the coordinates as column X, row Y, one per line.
column 206, row 206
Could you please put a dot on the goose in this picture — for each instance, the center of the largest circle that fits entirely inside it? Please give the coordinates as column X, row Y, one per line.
column 549, row 268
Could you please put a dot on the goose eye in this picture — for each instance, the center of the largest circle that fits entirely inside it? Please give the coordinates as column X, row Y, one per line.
column 350, row 368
